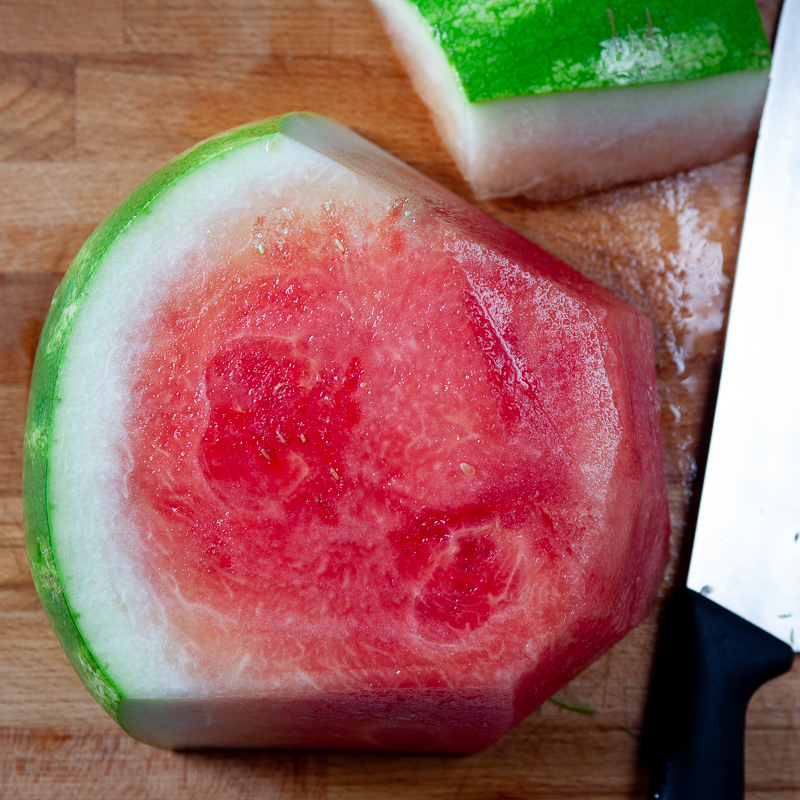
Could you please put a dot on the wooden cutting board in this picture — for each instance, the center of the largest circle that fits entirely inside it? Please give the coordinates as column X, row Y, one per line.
column 94, row 95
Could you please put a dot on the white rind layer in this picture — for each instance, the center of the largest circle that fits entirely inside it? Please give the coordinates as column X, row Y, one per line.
column 206, row 213
column 555, row 146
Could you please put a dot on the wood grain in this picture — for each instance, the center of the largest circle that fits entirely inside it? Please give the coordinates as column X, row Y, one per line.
column 52, row 26
column 94, row 95
column 37, row 105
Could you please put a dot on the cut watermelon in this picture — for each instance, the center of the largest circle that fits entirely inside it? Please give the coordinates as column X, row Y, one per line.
column 553, row 99
column 319, row 455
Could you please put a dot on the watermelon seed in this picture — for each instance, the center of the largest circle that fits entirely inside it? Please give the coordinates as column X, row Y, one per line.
column 303, row 438
column 260, row 248
column 335, row 474
column 278, row 387
column 280, row 437
column 339, row 245
column 467, row 469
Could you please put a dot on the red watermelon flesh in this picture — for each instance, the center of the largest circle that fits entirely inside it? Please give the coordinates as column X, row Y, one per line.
column 378, row 459
column 357, row 466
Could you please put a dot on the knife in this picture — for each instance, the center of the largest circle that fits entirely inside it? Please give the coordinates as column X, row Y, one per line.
column 737, row 622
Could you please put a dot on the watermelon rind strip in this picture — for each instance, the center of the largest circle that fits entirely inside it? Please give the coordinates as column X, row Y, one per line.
column 508, row 48
column 44, row 395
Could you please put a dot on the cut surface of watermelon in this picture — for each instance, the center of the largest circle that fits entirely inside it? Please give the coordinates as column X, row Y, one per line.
column 553, row 99
column 319, row 455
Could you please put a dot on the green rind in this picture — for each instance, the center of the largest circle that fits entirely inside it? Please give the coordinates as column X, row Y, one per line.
column 43, row 398
column 515, row 48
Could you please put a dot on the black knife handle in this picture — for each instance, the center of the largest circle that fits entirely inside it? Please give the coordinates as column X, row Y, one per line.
column 709, row 663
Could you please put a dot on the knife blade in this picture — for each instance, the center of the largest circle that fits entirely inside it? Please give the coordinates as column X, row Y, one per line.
column 737, row 622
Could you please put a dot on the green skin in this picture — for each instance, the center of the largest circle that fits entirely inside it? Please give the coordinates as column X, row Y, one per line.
column 514, row 48
column 44, row 394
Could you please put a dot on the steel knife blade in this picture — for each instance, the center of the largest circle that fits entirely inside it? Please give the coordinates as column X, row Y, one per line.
column 746, row 552
column 737, row 623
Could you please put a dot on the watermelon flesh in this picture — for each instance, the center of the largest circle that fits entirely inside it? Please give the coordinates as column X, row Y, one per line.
column 552, row 100
column 318, row 455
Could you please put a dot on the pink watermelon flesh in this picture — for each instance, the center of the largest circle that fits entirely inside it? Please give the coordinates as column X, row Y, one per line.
column 401, row 481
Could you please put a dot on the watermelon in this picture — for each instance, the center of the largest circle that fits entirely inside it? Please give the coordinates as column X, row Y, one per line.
column 554, row 99
column 319, row 455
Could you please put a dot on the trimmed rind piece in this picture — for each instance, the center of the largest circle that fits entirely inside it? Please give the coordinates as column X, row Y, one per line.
column 552, row 100
column 167, row 659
